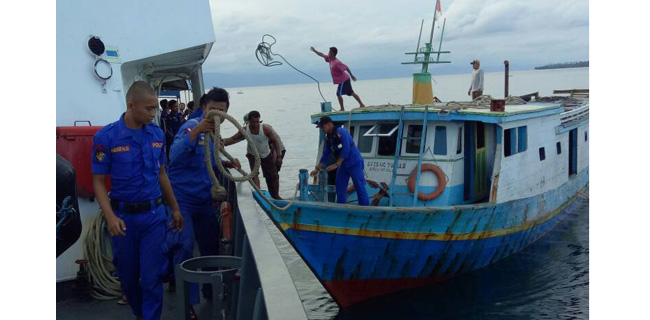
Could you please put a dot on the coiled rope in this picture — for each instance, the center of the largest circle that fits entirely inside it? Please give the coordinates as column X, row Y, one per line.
column 482, row 102
column 99, row 254
column 264, row 55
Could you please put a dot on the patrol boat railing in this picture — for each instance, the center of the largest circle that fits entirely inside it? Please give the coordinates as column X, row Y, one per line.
column 266, row 289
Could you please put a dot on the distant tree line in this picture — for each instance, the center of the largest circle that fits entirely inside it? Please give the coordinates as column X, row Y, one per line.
column 574, row 64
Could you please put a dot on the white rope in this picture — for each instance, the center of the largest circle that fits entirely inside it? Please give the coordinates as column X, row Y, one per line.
column 99, row 256
column 481, row 102
column 217, row 189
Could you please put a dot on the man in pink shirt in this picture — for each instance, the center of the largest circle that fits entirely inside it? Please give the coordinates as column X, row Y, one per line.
column 339, row 76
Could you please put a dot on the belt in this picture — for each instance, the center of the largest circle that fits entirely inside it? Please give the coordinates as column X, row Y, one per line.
column 135, row 207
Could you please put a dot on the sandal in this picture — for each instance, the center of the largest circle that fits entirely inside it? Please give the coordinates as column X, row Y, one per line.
column 122, row 301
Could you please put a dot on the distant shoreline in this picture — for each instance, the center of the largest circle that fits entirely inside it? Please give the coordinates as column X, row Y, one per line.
column 578, row 64
column 325, row 80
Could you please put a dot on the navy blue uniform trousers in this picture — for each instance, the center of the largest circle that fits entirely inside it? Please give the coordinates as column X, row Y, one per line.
column 202, row 223
column 343, row 176
column 140, row 259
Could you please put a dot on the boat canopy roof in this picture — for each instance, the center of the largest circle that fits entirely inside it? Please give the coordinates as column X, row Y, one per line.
column 445, row 112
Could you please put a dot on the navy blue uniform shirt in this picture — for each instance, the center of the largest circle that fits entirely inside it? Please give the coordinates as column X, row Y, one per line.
column 187, row 171
column 196, row 113
column 132, row 158
column 346, row 149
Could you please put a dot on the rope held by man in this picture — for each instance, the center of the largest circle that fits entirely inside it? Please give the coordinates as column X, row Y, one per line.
column 218, row 191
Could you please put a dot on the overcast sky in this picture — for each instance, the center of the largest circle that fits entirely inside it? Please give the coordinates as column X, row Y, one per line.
column 372, row 36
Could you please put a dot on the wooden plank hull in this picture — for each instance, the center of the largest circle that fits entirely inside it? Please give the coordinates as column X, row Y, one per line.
column 363, row 252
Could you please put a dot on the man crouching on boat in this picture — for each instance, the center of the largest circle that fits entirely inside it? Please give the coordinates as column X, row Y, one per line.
column 349, row 163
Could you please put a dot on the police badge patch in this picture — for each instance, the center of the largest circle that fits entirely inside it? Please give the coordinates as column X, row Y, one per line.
column 100, row 155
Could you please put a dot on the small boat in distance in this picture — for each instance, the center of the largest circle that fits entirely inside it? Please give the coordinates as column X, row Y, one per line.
column 240, row 92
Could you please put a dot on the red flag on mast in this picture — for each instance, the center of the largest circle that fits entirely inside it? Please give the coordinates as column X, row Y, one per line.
column 438, row 9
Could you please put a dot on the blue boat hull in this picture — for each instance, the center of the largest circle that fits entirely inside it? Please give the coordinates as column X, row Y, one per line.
column 359, row 253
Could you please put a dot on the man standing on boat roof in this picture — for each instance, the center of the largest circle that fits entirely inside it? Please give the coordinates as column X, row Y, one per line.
column 192, row 184
column 263, row 136
column 131, row 151
column 339, row 76
column 476, row 87
column 349, row 163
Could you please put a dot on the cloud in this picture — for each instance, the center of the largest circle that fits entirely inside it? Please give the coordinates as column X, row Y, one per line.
column 375, row 35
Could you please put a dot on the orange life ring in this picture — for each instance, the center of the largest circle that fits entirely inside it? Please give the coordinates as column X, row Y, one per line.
column 442, row 181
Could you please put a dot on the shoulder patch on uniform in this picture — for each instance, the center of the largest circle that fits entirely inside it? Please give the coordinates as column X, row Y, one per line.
column 121, row 149
column 100, row 152
column 157, row 144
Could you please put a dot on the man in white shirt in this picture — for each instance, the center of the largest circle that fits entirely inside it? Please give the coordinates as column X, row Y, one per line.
column 476, row 87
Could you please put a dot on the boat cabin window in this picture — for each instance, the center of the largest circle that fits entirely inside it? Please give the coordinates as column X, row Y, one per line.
column 509, row 140
column 459, row 143
column 585, row 135
column 387, row 139
column 542, row 154
column 413, row 145
column 440, row 142
column 515, row 140
column 522, row 139
column 558, row 146
column 351, row 129
column 365, row 143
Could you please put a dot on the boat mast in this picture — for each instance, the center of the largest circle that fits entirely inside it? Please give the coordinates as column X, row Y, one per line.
column 422, row 88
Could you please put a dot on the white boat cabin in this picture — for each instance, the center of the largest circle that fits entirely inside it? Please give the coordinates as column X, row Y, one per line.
column 483, row 156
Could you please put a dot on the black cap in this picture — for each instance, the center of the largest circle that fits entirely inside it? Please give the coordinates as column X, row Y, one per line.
column 323, row 120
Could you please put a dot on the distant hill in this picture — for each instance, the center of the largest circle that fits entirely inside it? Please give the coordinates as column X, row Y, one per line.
column 575, row 64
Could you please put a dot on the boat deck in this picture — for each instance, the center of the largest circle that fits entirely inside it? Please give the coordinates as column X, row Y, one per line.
column 73, row 308
column 453, row 111
column 266, row 260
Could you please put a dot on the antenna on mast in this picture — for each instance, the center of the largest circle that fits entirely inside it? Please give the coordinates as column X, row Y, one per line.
column 422, row 90
column 418, row 46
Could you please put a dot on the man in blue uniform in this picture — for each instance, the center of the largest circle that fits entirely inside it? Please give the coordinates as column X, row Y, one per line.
column 199, row 111
column 192, row 184
column 131, row 151
column 349, row 163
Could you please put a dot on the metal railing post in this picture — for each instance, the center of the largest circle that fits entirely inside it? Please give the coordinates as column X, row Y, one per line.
column 217, row 296
column 322, row 185
column 303, row 177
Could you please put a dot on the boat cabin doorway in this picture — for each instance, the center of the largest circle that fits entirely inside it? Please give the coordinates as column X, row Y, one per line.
column 478, row 160
column 573, row 152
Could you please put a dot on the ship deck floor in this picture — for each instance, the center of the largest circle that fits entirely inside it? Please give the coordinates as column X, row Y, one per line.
column 69, row 307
